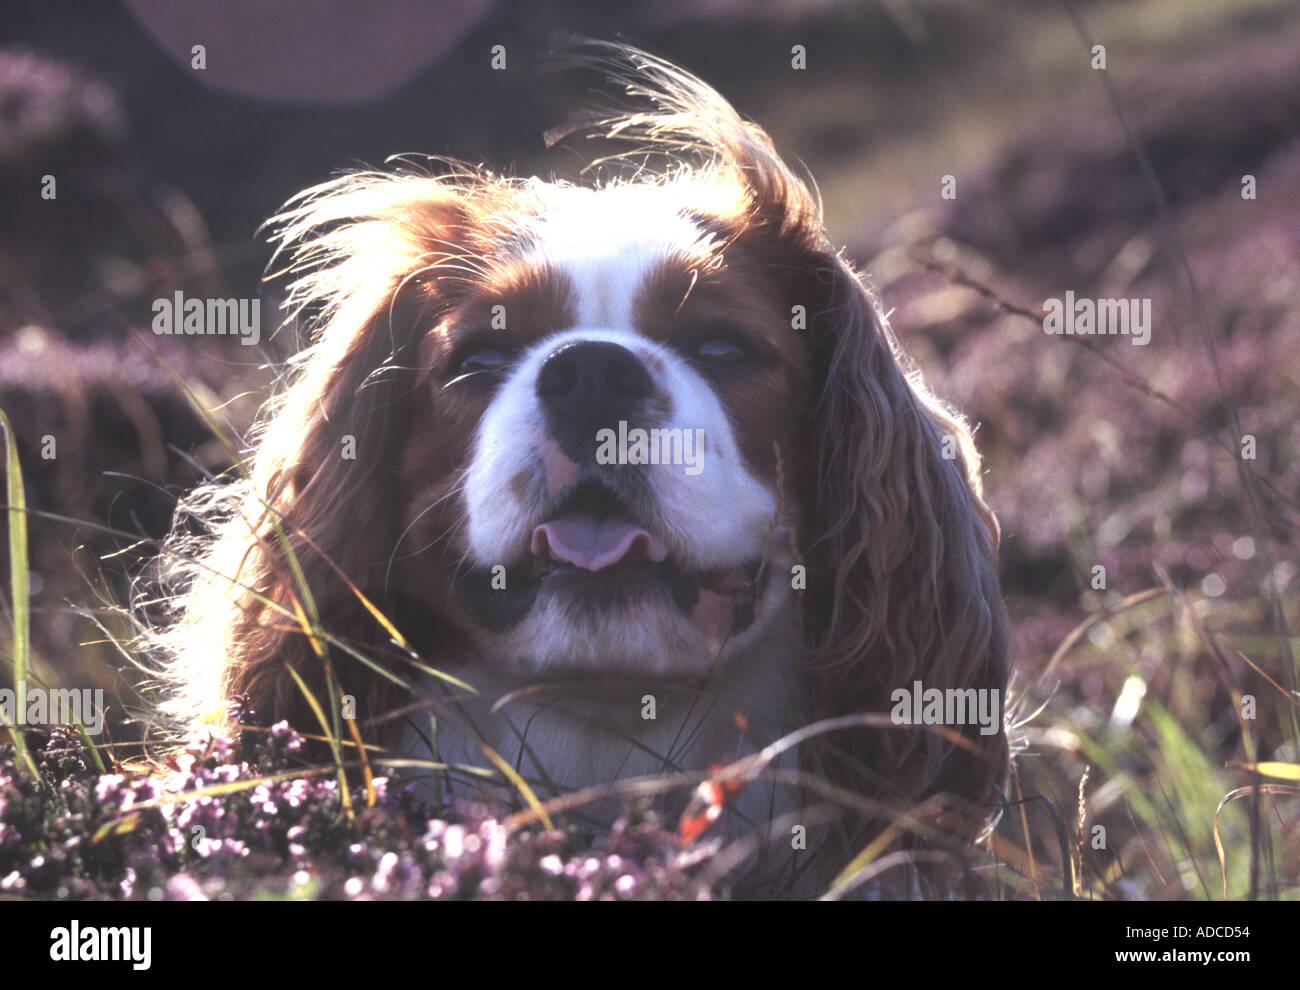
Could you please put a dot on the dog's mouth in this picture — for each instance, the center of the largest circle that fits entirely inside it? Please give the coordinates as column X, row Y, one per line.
column 593, row 531
column 594, row 550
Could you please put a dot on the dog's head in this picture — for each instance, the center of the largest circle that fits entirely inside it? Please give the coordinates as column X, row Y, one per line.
column 609, row 487
column 632, row 430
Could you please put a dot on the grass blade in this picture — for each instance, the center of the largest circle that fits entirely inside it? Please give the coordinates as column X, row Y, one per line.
column 18, row 584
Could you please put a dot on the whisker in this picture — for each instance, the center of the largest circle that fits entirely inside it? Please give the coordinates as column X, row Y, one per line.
column 392, row 557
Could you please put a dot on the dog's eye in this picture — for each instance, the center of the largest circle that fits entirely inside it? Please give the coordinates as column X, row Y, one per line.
column 487, row 359
column 721, row 351
column 476, row 362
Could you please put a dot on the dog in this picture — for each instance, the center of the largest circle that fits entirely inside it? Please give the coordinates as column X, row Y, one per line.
column 609, row 480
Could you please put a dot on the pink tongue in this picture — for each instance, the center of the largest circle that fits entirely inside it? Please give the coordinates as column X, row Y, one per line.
column 593, row 544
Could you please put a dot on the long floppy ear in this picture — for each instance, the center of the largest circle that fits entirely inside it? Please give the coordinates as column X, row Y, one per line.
column 323, row 459
column 901, row 548
column 908, row 552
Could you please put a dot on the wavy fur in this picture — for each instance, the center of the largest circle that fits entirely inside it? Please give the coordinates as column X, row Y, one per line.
column 899, row 545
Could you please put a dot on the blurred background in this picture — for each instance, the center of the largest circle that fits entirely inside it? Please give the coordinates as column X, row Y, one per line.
column 1123, row 182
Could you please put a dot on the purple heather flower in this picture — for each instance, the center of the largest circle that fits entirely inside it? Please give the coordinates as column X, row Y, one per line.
column 183, row 887
column 107, row 787
column 551, row 864
column 454, row 841
column 282, row 733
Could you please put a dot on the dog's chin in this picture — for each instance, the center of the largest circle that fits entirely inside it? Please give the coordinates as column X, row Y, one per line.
column 635, row 619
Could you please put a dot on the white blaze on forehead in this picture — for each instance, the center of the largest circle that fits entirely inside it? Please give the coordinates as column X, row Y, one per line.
column 606, row 241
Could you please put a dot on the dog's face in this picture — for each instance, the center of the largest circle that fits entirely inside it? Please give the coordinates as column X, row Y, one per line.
column 593, row 469
column 643, row 430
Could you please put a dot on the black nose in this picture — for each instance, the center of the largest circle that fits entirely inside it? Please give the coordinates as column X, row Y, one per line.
column 587, row 386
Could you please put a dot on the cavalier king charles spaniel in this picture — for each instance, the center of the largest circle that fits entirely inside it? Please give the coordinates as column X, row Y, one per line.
column 608, row 480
